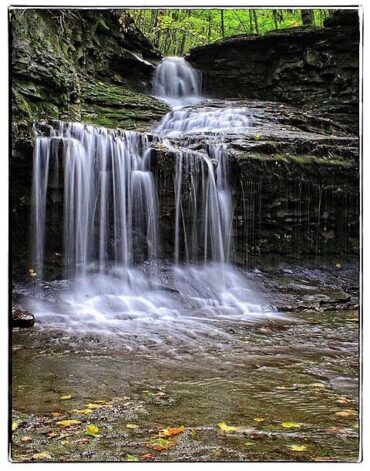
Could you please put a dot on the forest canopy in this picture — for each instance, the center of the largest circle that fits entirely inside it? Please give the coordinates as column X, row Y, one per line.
column 175, row 31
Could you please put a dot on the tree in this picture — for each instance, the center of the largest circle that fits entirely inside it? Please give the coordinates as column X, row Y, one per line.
column 307, row 17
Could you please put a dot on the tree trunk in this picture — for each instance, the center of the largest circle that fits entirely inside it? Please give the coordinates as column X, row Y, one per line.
column 307, row 17
column 255, row 21
column 222, row 24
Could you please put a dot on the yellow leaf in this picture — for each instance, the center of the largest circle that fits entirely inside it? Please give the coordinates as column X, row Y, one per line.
column 43, row 455
column 15, row 424
column 258, row 419
column 132, row 426
column 91, row 405
column 226, row 428
column 249, row 444
column 26, row 439
column 297, row 447
column 64, row 442
column 83, row 411
column 68, row 423
column 131, row 458
column 66, row 397
column 346, row 413
column 160, row 444
column 291, row 424
column 172, row 431
column 92, row 430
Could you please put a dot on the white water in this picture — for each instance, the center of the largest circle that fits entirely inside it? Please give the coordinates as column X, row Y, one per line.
column 177, row 83
column 118, row 282
column 189, row 121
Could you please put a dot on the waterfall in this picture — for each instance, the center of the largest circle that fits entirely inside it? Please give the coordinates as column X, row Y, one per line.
column 117, row 278
column 176, row 82
column 110, row 200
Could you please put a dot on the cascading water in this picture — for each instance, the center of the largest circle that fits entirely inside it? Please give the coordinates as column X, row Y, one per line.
column 112, row 257
column 177, row 83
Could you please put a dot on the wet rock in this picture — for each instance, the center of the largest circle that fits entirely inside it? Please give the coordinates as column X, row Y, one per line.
column 22, row 319
column 313, row 67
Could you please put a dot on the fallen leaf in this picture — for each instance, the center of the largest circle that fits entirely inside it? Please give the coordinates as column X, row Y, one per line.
column 15, row 424
column 346, row 413
column 93, row 406
column 297, row 447
column 132, row 426
column 82, row 441
column 147, row 457
column 26, row 439
column 172, row 431
column 316, row 385
column 53, row 434
column 226, row 428
column 258, row 419
column 43, row 455
column 291, row 424
column 160, row 444
column 343, row 400
column 64, row 442
column 68, row 423
column 131, row 458
column 92, row 430
column 66, row 397
column 56, row 414
column 83, row 411
column 249, row 444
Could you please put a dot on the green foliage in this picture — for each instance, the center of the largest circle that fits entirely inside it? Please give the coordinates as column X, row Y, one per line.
column 175, row 31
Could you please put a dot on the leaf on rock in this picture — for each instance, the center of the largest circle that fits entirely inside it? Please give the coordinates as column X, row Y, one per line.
column 68, row 423
column 15, row 424
column 92, row 430
column 226, row 428
column 249, row 444
column 172, row 431
column 346, row 413
column 147, row 457
column 83, row 411
column 160, row 444
column 297, row 447
column 291, row 424
column 93, row 406
column 66, row 397
column 131, row 458
column 317, row 385
column 43, row 455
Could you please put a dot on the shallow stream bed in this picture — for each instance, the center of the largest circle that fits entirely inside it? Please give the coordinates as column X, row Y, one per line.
column 280, row 389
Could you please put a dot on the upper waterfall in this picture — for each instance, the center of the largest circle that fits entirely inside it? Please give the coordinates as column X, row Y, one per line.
column 177, row 83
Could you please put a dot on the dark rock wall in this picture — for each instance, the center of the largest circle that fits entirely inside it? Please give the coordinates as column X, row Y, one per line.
column 312, row 67
column 78, row 65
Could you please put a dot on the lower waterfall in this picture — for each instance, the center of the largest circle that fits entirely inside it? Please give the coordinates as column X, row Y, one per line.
column 115, row 277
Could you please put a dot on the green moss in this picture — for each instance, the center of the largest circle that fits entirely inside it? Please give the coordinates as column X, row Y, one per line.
column 302, row 160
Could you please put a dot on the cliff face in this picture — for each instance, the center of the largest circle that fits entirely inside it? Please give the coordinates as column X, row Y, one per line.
column 82, row 65
column 78, row 65
column 314, row 68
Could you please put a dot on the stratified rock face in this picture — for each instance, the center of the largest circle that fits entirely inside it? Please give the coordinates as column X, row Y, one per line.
column 294, row 180
column 80, row 65
column 73, row 65
column 317, row 68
